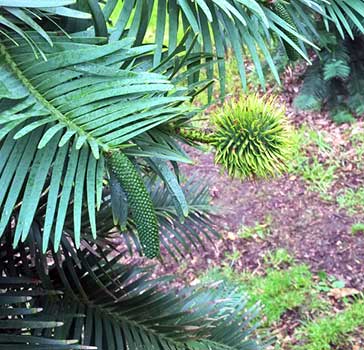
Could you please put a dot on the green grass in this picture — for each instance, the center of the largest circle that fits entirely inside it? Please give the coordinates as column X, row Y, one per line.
column 357, row 142
column 351, row 200
column 296, row 288
column 327, row 282
column 333, row 331
column 314, row 161
column 285, row 290
column 279, row 291
column 320, row 177
column 232, row 257
column 357, row 228
column 317, row 163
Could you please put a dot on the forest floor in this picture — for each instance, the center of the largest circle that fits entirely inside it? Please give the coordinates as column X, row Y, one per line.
column 309, row 221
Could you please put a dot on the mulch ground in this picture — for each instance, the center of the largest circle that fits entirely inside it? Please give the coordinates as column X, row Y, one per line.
column 314, row 231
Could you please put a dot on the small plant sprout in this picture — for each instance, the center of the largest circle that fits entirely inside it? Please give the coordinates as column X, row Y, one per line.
column 278, row 258
column 259, row 230
column 352, row 200
column 357, row 228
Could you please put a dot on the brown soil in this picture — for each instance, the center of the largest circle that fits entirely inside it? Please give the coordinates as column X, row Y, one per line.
column 314, row 231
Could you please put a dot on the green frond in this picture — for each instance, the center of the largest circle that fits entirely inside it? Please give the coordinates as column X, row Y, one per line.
column 184, row 237
column 178, row 237
column 336, row 61
column 335, row 79
column 342, row 116
column 59, row 117
column 247, row 27
column 23, row 321
column 355, row 101
column 344, row 15
column 114, row 306
column 17, row 18
column 336, row 69
column 313, row 90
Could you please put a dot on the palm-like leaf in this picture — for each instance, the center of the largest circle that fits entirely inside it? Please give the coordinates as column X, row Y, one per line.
column 239, row 24
column 114, row 306
column 247, row 26
column 344, row 15
column 115, row 229
column 16, row 16
column 21, row 320
column 59, row 115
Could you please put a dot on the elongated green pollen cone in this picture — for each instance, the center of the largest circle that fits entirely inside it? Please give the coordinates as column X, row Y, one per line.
column 139, row 201
column 280, row 10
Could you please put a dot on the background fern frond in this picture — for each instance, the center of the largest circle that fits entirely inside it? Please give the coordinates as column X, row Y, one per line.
column 313, row 90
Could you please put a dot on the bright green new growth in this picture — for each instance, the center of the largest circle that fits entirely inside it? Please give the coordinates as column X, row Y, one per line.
column 279, row 9
column 139, row 201
column 252, row 138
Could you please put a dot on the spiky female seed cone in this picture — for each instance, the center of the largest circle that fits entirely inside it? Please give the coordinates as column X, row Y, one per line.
column 139, row 201
column 252, row 138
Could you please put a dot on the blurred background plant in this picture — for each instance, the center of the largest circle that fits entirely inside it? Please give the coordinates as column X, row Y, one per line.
column 336, row 78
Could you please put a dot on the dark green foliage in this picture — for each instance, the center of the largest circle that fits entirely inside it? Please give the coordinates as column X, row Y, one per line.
column 336, row 79
column 313, row 89
column 179, row 239
column 57, row 155
column 22, row 321
column 106, row 88
column 139, row 201
column 342, row 116
column 101, row 302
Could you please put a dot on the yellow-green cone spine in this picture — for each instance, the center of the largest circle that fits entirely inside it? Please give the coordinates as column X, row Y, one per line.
column 139, row 201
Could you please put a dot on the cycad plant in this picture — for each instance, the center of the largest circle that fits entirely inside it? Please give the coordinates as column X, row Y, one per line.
column 90, row 115
column 336, row 78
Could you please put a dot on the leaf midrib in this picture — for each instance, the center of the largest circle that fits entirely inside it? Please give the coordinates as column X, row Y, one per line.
column 61, row 118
